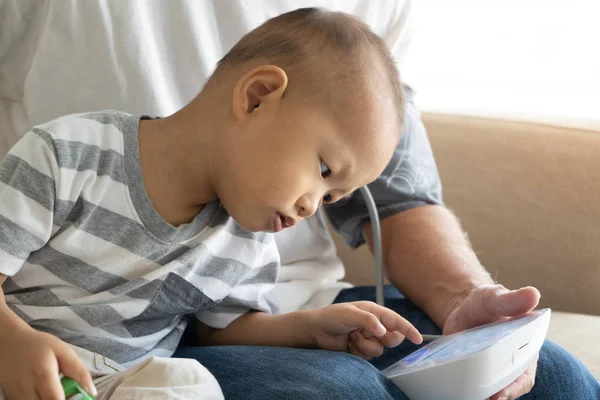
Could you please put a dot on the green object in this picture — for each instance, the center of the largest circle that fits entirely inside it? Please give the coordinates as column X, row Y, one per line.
column 73, row 391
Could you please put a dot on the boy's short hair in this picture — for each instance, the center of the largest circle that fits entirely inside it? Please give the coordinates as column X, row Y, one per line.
column 317, row 48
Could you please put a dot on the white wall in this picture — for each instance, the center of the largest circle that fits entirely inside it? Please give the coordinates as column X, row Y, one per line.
column 535, row 60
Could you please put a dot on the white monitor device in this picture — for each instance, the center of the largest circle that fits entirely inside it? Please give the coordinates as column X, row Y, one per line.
column 472, row 364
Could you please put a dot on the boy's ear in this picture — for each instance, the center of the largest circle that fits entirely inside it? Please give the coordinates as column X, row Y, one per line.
column 264, row 84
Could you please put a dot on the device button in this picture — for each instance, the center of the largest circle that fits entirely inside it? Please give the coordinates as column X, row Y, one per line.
column 519, row 354
column 417, row 355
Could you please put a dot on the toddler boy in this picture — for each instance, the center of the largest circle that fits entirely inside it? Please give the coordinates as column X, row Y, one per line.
column 114, row 227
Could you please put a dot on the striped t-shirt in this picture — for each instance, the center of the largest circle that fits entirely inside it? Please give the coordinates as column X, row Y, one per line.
column 91, row 261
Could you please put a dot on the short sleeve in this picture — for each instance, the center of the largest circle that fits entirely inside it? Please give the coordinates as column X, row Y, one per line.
column 27, row 198
column 250, row 294
column 410, row 180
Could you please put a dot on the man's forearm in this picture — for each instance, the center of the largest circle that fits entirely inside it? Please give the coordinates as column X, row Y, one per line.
column 428, row 258
column 261, row 329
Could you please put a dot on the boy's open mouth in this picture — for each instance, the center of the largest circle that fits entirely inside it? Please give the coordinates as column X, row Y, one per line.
column 281, row 221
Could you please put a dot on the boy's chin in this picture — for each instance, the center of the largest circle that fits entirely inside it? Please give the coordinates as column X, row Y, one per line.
column 254, row 229
column 251, row 226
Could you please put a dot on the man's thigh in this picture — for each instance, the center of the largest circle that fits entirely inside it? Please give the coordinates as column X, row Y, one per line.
column 253, row 372
column 281, row 373
column 261, row 372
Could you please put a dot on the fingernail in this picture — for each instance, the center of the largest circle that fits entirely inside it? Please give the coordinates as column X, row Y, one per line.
column 92, row 390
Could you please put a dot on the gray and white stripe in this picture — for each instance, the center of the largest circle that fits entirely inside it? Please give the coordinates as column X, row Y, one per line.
column 89, row 259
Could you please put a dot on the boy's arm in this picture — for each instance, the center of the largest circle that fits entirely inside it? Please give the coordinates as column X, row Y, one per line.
column 42, row 356
column 9, row 321
column 362, row 328
column 28, row 185
column 262, row 329
column 28, row 181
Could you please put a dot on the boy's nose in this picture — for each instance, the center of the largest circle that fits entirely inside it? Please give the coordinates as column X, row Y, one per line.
column 308, row 205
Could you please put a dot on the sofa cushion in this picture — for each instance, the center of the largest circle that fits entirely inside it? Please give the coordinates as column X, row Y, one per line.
column 578, row 333
column 529, row 197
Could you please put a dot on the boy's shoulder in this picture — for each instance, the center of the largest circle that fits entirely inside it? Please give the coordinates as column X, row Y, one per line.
column 104, row 129
column 97, row 119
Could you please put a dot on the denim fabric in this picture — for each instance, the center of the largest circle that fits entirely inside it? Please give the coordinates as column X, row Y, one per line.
column 250, row 372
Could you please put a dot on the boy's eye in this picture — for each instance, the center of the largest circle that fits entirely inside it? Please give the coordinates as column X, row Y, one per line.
column 327, row 198
column 325, row 171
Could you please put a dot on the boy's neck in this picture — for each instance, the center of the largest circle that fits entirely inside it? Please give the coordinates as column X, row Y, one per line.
column 175, row 158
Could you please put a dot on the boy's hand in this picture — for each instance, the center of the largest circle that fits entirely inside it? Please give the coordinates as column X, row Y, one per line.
column 362, row 328
column 30, row 362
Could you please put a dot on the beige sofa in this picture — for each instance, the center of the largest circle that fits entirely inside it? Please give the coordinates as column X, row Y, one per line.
column 529, row 197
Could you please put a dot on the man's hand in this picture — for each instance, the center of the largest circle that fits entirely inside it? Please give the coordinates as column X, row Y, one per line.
column 362, row 328
column 490, row 303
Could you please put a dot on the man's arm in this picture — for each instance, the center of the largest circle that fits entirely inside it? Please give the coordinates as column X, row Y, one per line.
column 428, row 258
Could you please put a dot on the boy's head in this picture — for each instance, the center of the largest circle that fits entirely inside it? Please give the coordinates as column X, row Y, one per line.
column 316, row 112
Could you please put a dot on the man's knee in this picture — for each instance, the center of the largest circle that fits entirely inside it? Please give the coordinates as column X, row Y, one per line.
column 344, row 376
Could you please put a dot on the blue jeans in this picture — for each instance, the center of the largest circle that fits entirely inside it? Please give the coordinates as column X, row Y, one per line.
column 250, row 372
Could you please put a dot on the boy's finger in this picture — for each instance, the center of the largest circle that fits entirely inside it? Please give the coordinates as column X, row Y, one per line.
column 353, row 350
column 71, row 366
column 369, row 347
column 391, row 320
column 359, row 319
column 391, row 339
column 48, row 385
